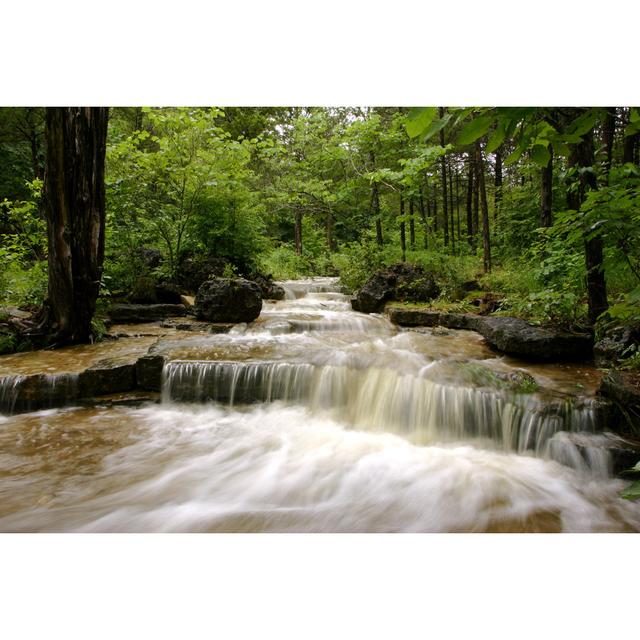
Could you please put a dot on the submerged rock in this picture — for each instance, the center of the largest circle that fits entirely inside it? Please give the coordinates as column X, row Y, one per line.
column 228, row 300
column 398, row 282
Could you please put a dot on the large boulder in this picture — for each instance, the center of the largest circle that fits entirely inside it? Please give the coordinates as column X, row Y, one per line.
column 228, row 300
column 398, row 282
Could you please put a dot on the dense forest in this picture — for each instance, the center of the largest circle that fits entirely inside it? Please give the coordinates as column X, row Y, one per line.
column 538, row 207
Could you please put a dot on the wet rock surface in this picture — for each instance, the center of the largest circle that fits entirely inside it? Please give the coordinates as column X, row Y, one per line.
column 622, row 388
column 616, row 345
column 508, row 335
column 398, row 282
column 228, row 300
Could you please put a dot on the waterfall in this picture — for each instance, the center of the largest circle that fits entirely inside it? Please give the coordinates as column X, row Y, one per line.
column 377, row 399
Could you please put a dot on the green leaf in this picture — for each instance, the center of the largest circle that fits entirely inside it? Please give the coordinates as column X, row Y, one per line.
column 540, row 155
column 584, row 123
column 632, row 492
column 436, row 125
column 497, row 138
column 419, row 120
column 475, row 129
column 514, row 156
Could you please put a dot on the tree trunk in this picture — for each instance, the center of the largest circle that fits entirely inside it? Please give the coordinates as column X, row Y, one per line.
column 375, row 202
column 403, row 235
column 476, row 199
column 412, row 226
column 298, row 232
column 608, row 132
column 582, row 155
column 486, row 243
column 546, row 193
column 423, row 216
column 329, row 222
column 470, row 164
column 443, row 165
column 75, row 208
column 453, row 224
column 497, row 198
column 629, row 146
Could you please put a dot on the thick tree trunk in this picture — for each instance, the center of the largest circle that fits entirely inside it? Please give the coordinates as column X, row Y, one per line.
column 546, row 193
column 75, row 208
column 403, row 235
column 443, row 168
column 486, row 243
column 582, row 155
column 298, row 232
column 476, row 199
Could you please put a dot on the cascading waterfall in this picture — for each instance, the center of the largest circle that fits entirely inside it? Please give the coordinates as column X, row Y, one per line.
column 23, row 392
column 383, row 400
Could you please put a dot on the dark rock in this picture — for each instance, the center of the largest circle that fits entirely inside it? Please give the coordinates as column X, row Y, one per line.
column 399, row 282
column 470, row 285
column 270, row 290
column 617, row 344
column 196, row 268
column 509, row 335
column 149, row 372
column 622, row 388
column 228, row 300
column 167, row 293
column 133, row 313
column 105, row 378
column 517, row 337
column 144, row 291
column 151, row 258
column 198, row 325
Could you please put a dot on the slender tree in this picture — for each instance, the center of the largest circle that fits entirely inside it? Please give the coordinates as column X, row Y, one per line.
column 486, row 242
column 546, row 193
column 443, row 167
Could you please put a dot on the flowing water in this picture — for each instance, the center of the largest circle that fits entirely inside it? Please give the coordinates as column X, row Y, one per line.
column 317, row 418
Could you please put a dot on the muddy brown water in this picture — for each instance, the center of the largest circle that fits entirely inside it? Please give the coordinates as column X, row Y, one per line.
column 313, row 418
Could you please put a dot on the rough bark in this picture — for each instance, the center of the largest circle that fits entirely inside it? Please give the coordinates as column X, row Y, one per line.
column 608, row 132
column 375, row 202
column 74, row 202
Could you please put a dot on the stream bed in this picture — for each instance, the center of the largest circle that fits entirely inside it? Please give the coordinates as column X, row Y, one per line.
column 315, row 418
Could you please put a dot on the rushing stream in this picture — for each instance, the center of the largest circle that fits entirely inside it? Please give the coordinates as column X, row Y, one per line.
column 317, row 418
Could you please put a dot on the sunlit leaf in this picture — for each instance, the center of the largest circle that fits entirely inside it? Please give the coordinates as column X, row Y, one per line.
column 419, row 120
column 475, row 129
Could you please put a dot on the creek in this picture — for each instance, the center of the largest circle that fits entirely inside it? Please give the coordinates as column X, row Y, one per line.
column 315, row 418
